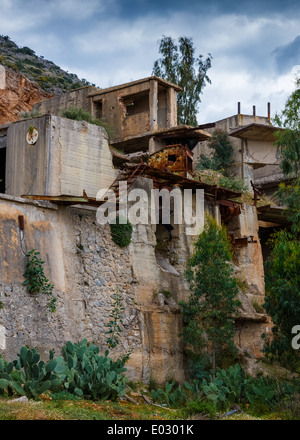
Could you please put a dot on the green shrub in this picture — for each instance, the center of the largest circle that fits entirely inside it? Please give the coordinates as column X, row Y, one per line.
column 79, row 372
column 26, row 50
column 32, row 114
column 121, row 233
column 199, row 406
column 78, row 114
column 233, row 183
column 234, row 386
column 8, row 384
column 221, row 158
column 36, row 281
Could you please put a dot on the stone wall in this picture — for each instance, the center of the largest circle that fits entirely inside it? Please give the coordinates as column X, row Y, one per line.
column 87, row 268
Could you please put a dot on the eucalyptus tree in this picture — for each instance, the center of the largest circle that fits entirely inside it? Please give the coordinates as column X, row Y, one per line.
column 179, row 65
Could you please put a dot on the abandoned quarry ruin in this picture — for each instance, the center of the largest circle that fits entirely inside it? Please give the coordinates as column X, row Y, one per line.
column 51, row 169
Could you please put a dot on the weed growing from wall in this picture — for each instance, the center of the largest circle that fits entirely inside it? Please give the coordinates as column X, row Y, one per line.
column 121, row 233
column 114, row 329
column 36, row 281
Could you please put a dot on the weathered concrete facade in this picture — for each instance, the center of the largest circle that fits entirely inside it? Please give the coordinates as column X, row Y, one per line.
column 142, row 114
column 132, row 109
column 85, row 266
column 78, row 98
column 53, row 156
column 255, row 155
column 66, row 158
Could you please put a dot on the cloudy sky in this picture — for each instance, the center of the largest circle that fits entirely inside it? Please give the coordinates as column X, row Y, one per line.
column 255, row 44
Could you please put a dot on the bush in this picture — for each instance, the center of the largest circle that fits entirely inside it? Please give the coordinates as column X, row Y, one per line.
column 233, row 183
column 26, row 50
column 121, row 233
column 199, row 406
column 35, row 279
column 30, row 376
column 222, row 151
column 209, row 314
column 78, row 114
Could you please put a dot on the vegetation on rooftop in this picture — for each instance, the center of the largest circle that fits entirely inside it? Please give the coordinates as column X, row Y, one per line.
column 78, row 114
column 215, row 167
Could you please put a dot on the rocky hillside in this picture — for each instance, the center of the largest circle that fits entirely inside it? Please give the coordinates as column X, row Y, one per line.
column 46, row 74
column 18, row 95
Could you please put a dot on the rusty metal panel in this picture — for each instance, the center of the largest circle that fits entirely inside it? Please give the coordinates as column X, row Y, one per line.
column 177, row 159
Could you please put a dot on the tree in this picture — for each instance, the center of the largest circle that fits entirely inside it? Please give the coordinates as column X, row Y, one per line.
column 282, row 301
column 179, row 65
column 209, row 314
column 289, row 142
column 221, row 159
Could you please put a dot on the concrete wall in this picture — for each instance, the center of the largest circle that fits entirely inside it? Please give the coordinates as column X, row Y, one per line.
column 74, row 99
column 131, row 109
column 136, row 108
column 68, row 157
column 85, row 266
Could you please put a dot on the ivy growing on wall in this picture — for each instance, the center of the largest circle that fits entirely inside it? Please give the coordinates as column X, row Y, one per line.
column 121, row 233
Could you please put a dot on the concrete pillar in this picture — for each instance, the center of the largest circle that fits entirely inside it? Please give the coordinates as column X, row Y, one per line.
column 171, row 108
column 153, row 104
column 248, row 169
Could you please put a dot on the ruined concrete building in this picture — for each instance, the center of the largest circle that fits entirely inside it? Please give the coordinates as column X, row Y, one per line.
column 51, row 169
column 256, row 157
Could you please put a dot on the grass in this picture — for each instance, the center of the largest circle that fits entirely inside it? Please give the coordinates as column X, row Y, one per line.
column 47, row 409
column 82, row 410
column 120, row 410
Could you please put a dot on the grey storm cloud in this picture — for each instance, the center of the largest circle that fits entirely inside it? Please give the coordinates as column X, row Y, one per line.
column 287, row 56
column 254, row 43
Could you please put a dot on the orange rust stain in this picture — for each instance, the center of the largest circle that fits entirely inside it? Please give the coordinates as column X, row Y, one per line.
column 175, row 159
